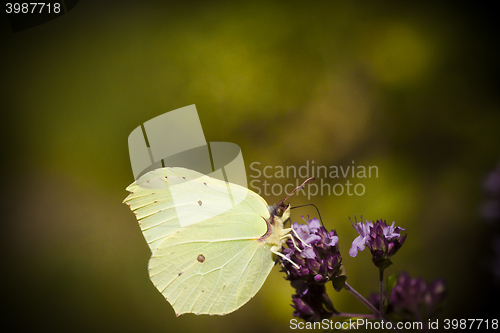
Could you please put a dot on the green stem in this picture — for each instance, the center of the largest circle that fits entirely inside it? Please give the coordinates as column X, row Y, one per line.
column 354, row 315
column 381, row 289
column 363, row 300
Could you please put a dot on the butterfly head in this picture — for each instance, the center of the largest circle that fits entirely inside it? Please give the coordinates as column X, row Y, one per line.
column 279, row 213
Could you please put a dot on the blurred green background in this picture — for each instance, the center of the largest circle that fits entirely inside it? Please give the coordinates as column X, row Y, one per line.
column 410, row 88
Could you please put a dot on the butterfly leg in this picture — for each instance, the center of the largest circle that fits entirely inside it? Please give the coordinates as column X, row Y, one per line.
column 284, row 257
column 293, row 241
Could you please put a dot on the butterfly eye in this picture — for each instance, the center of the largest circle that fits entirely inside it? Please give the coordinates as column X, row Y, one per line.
column 279, row 212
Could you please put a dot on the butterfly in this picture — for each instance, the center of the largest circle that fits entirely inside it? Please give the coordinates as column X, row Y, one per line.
column 213, row 243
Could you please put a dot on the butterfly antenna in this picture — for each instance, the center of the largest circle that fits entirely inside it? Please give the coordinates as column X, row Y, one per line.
column 319, row 215
column 297, row 188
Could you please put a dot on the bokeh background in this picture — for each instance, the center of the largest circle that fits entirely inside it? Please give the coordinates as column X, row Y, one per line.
column 409, row 87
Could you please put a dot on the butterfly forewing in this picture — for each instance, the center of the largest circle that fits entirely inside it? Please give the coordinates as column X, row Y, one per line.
column 168, row 199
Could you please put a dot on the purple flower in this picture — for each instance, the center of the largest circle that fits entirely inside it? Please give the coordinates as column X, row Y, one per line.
column 363, row 238
column 490, row 211
column 414, row 299
column 311, row 302
column 492, row 181
column 383, row 241
column 491, row 208
column 315, row 252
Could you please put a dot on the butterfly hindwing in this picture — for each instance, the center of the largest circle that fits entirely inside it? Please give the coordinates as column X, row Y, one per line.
column 206, row 269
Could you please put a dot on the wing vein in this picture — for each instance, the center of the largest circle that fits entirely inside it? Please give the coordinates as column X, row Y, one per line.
column 239, row 278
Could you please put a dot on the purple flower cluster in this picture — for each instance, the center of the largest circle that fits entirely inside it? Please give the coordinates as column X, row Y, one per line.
column 312, row 260
column 491, row 208
column 414, row 299
column 490, row 211
column 383, row 241
column 315, row 252
column 311, row 302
